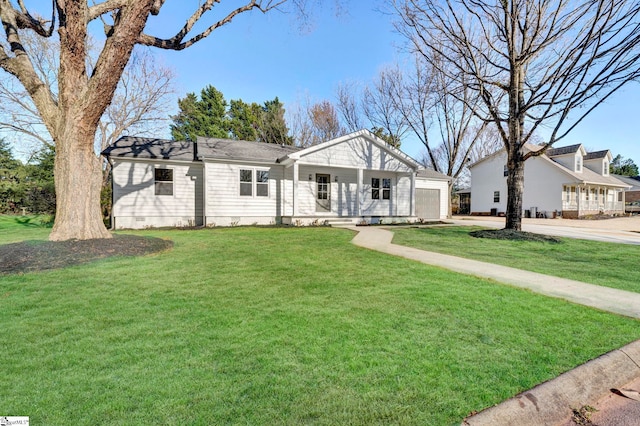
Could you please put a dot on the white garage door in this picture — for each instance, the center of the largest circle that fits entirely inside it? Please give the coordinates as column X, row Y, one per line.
column 428, row 203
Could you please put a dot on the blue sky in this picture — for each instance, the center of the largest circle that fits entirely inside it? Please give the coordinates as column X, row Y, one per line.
column 258, row 57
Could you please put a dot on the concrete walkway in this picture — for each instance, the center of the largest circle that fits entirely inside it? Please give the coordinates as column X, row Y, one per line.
column 604, row 298
column 549, row 403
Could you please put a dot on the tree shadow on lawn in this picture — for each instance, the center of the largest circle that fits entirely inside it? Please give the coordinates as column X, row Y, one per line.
column 31, row 256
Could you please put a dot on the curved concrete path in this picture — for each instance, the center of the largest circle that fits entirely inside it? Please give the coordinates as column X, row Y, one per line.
column 549, row 403
column 607, row 299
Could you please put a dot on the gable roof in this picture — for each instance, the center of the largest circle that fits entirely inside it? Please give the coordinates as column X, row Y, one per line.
column 366, row 134
column 229, row 149
column 432, row 174
column 563, row 150
column 587, row 175
column 236, row 150
column 150, row 148
column 597, row 155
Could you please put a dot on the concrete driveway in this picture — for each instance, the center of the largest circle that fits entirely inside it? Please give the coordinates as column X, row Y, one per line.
column 623, row 230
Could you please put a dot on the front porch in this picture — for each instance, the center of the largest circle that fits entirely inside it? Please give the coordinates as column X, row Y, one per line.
column 585, row 200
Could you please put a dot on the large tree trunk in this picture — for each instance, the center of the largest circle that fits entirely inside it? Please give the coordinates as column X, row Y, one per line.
column 78, row 179
column 515, row 190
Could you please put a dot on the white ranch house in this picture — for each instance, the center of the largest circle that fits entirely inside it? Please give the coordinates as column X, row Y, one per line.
column 567, row 181
column 221, row 182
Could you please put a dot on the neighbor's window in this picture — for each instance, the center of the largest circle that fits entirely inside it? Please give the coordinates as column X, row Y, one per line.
column 605, row 168
column 163, row 181
column 579, row 163
column 262, row 183
column 375, row 188
column 246, row 182
column 496, row 196
column 505, row 171
column 386, row 189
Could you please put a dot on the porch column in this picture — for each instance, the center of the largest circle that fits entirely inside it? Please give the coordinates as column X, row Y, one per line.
column 295, row 189
column 578, row 195
column 412, row 198
column 359, row 193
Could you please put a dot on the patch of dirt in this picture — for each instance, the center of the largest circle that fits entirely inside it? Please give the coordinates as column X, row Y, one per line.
column 508, row 234
column 31, row 256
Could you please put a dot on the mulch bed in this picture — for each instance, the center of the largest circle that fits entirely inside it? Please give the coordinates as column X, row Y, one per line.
column 508, row 234
column 30, row 256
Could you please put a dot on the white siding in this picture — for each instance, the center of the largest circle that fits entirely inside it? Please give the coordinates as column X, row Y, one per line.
column 399, row 202
column 137, row 206
column 355, row 153
column 440, row 185
column 543, row 183
column 343, row 191
column 224, row 204
column 597, row 165
column 487, row 177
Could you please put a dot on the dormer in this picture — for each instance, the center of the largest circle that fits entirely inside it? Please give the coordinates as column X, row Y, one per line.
column 598, row 161
column 572, row 156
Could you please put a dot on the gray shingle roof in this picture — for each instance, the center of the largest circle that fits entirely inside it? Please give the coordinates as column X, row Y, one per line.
column 432, row 174
column 632, row 181
column 596, row 154
column 227, row 149
column 207, row 148
column 150, row 148
column 571, row 149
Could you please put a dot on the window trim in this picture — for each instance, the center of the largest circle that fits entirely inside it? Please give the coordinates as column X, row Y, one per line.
column 379, row 191
column 264, row 184
column 375, row 188
column 243, row 183
column 253, row 184
column 161, row 183
column 386, row 188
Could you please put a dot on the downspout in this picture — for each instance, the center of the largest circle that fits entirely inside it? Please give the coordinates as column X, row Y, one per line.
column 112, row 219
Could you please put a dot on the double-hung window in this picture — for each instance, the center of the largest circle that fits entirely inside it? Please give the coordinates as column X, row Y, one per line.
column 386, row 189
column 254, row 182
column 246, row 182
column 375, row 188
column 262, row 183
column 496, row 196
column 163, row 181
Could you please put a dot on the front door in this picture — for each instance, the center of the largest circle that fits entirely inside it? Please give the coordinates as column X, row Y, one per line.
column 323, row 193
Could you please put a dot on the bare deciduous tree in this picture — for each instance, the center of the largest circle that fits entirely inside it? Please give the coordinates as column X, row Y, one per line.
column 84, row 93
column 380, row 104
column 532, row 62
column 314, row 123
column 140, row 104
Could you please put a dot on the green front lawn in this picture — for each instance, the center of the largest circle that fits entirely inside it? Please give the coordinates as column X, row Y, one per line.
column 606, row 264
column 19, row 228
column 279, row 326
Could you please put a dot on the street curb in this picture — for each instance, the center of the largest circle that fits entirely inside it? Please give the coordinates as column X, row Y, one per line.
column 551, row 402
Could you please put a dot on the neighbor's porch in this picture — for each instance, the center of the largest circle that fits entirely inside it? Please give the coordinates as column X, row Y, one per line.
column 584, row 200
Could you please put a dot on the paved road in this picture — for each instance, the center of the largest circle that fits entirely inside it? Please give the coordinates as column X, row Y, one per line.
column 581, row 229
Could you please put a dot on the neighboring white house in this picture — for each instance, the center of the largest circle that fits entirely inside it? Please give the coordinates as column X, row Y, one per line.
column 221, row 182
column 567, row 181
